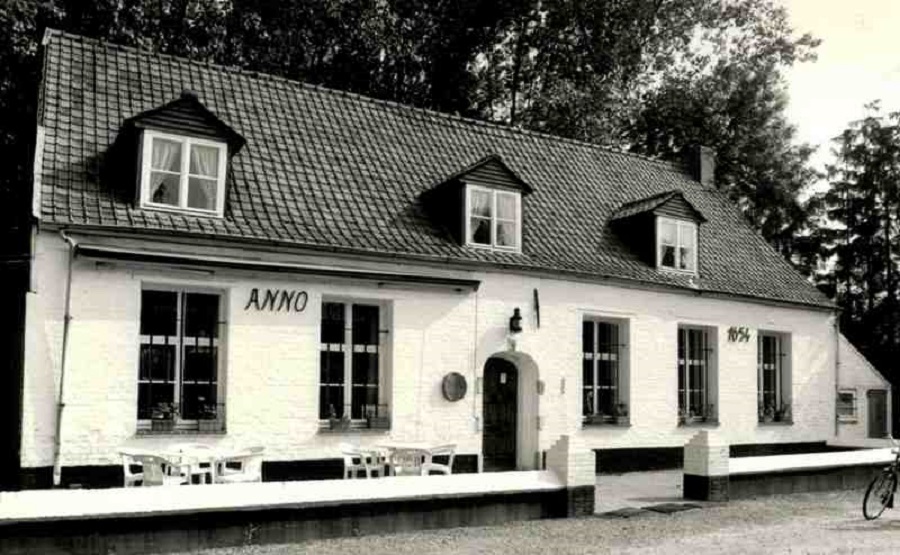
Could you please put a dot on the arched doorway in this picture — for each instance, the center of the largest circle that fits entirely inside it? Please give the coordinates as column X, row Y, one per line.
column 501, row 379
column 510, row 435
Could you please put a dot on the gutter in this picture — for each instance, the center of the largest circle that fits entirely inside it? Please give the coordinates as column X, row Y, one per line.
column 60, row 402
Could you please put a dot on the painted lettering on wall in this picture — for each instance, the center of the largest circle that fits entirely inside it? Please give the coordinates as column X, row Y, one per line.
column 277, row 300
column 738, row 334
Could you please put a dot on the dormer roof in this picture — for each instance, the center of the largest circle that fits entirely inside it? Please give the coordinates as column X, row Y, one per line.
column 490, row 171
column 186, row 115
column 668, row 203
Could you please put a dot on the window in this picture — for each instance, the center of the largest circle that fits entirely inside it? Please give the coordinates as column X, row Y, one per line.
column 492, row 218
column 178, row 377
column 352, row 381
column 846, row 405
column 604, row 395
column 773, row 375
column 677, row 245
column 696, row 375
column 183, row 173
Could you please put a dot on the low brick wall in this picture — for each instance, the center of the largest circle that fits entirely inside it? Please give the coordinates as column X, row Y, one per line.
column 742, row 486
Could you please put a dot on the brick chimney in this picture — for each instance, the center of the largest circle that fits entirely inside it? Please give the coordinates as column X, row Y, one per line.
column 702, row 164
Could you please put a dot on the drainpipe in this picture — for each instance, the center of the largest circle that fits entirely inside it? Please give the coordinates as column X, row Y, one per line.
column 60, row 402
column 837, row 371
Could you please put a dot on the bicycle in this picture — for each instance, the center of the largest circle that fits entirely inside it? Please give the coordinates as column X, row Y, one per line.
column 880, row 493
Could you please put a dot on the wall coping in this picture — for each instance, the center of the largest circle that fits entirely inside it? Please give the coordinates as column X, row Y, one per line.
column 52, row 505
column 808, row 461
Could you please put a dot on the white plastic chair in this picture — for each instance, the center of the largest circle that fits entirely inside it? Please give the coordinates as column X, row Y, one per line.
column 199, row 460
column 407, row 462
column 430, row 466
column 159, row 471
column 131, row 478
column 354, row 462
column 249, row 467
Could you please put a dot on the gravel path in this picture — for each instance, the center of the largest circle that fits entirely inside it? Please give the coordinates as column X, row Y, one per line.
column 804, row 523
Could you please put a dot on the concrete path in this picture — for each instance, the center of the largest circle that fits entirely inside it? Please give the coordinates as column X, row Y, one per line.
column 638, row 489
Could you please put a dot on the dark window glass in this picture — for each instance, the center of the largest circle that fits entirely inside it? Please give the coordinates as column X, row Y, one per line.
column 157, row 363
column 365, row 325
column 153, row 394
column 481, row 231
column 587, row 337
column 159, row 313
column 332, row 323
column 201, row 313
column 197, row 400
column 199, row 363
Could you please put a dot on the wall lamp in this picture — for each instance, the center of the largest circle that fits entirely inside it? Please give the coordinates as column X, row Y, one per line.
column 515, row 328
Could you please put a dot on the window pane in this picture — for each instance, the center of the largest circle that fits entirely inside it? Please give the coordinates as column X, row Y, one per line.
column 204, row 161
column 332, row 323
column 480, row 204
column 200, row 364
column 331, row 384
column 667, row 233
column 481, row 231
column 667, row 257
column 164, row 188
column 686, row 259
column 506, row 206
column 605, row 373
column 587, row 337
column 151, row 395
column 202, row 193
column 198, row 401
column 365, row 325
column 506, row 234
column 687, row 247
column 587, row 402
column 201, row 314
column 157, row 363
column 331, row 402
column 166, row 155
column 159, row 312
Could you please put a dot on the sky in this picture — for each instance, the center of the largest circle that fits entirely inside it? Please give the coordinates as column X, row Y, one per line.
column 858, row 61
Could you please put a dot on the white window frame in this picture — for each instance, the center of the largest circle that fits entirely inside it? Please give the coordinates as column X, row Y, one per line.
column 710, row 373
column 179, row 343
column 847, row 417
column 184, row 174
column 680, row 227
column 620, row 357
column 346, row 347
column 782, row 368
column 494, row 218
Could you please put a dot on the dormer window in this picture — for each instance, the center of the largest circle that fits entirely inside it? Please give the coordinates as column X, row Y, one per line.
column 493, row 218
column 676, row 245
column 183, row 173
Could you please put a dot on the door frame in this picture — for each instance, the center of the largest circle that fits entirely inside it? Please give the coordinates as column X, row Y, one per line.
column 528, row 422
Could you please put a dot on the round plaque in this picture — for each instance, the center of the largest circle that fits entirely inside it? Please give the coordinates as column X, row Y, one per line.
column 454, row 386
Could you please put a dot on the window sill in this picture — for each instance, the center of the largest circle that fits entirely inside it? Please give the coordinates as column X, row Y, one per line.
column 848, row 420
column 774, row 423
column 353, row 430
column 614, row 423
column 183, row 432
column 699, row 424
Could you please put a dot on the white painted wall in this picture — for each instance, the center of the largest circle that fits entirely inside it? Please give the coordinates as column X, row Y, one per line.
column 857, row 374
column 272, row 361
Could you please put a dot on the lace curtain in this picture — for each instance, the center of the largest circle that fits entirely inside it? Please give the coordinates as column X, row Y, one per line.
column 166, row 157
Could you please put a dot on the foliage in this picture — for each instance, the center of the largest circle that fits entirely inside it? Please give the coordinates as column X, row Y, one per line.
column 859, row 233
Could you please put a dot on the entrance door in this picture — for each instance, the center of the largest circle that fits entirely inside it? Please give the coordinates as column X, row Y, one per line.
column 500, row 407
column 876, row 399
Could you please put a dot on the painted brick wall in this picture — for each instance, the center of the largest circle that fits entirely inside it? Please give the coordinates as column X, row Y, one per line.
column 272, row 361
column 858, row 374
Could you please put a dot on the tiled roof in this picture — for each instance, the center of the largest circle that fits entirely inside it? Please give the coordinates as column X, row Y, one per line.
column 331, row 170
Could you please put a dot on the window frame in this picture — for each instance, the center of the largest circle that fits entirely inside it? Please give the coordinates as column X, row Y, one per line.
column 495, row 220
column 782, row 380
column 184, row 174
column 383, row 351
column 709, row 388
column 854, row 416
column 680, row 225
column 620, row 387
column 144, row 425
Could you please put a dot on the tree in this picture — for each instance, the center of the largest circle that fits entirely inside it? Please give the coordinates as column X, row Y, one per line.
column 859, row 232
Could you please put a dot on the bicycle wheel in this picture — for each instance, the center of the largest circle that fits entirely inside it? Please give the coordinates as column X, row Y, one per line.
column 879, row 494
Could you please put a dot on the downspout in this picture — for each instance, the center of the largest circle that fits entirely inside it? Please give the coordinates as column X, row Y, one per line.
column 837, row 372
column 60, row 402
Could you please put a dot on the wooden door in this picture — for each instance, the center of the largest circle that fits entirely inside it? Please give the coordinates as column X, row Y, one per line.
column 876, row 399
column 500, row 408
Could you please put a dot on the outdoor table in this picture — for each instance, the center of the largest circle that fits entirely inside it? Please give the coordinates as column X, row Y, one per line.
column 407, row 455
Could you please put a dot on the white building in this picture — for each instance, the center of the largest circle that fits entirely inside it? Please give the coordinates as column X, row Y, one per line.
column 265, row 262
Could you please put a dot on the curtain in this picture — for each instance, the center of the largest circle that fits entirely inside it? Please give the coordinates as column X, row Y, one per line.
column 166, row 154
column 204, row 161
column 481, row 204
